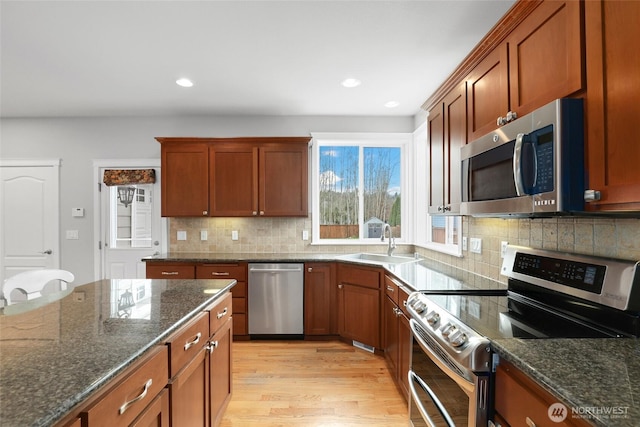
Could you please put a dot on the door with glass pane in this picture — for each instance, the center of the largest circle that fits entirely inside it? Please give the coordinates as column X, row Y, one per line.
column 132, row 228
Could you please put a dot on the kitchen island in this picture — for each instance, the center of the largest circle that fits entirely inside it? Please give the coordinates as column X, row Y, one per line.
column 59, row 350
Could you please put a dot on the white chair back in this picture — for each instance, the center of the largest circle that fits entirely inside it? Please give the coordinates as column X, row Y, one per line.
column 33, row 282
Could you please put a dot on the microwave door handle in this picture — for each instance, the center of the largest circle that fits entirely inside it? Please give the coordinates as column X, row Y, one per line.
column 517, row 165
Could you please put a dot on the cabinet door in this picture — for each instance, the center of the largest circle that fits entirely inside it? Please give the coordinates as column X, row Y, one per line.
column 391, row 335
column 359, row 314
column 185, row 179
column 404, row 354
column 545, row 56
column 233, row 179
column 220, row 368
column 283, row 180
column 447, row 134
column 156, row 414
column 487, row 93
column 612, row 111
column 188, row 392
column 319, row 299
column 436, row 159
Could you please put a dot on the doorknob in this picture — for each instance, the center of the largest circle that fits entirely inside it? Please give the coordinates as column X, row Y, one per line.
column 48, row 252
column 156, row 243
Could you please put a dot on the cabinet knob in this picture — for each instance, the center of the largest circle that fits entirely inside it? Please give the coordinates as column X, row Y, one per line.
column 446, row 208
column 254, row 213
column 340, row 286
column 511, row 116
column 261, row 212
column 310, row 269
column 501, row 121
column 205, row 212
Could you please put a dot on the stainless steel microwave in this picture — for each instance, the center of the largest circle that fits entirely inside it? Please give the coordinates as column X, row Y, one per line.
column 533, row 166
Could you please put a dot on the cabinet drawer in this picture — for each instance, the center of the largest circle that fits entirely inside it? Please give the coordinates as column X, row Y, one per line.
column 239, row 305
column 391, row 288
column 222, row 271
column 360, row 276
column 403, row 296
column 186, row 342
column 122, row 403
column 220, row 313
column 171, row 271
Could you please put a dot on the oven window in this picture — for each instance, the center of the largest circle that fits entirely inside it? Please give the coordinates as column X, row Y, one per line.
column 451, row 396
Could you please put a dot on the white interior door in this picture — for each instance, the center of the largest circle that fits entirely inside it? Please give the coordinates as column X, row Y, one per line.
column 132, row 232
column 29, row 224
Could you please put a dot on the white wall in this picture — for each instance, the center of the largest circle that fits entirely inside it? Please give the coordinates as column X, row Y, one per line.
column 78, row 141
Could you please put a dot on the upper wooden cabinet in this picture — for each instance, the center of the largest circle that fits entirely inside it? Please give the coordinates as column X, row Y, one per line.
column 185, row 183
column 250, row 178
column 612, row 108
column 539, row 61
column 447, row 133
column 259, row 176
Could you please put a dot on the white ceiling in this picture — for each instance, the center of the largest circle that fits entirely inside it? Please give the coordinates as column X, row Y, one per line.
column 121, row 58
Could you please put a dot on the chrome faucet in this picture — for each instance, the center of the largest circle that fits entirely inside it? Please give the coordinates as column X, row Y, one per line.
column 392, row 241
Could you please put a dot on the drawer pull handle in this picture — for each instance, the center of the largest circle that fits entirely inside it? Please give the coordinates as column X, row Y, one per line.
column 222, row 314
column 390, row 289
column 169, row 273
column 124, row 407
column 190, row 344
column 215, row 273
column 529, row 422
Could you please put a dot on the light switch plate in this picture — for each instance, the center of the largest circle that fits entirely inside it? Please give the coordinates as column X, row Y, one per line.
column 203, row 234
column 77, row 212
column 234, row 235
column 464, row 243
column 305, row 235
column 503, row 249
column 475, row 244
column 182, row 235
column 72, row 235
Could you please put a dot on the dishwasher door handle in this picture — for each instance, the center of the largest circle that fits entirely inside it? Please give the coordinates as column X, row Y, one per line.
column 275, row 270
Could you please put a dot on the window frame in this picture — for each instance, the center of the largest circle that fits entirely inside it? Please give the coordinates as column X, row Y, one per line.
column 362, row 140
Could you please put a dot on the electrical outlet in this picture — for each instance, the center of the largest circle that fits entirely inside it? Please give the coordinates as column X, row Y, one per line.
column 182, row 235
column 476, row 245
column 464, row 243
column 305, row 235
column 234, row 235
column 203, row 235
column 503, row 249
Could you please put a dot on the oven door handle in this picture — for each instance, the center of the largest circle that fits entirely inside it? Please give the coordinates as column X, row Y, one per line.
column 466, row 385
column 413, row 378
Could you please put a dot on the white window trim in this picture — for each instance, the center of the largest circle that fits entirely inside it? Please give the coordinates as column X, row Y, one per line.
column 402, row 140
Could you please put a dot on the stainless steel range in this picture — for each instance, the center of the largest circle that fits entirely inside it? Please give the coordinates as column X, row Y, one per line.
column 549, row 295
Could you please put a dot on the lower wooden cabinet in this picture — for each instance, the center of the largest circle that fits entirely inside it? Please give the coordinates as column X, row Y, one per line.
column 156, row 414
column 397, row 334
column 320, row 299
column 359, row 302
column 520, row 401
column 200, row 383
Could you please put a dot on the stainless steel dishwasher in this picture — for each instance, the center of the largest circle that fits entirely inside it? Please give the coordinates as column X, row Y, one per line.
column 276, row 299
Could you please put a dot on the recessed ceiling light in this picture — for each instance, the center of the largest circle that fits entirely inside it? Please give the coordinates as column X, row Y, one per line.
column 184, row 82
column 392, row 104
column 351, row 82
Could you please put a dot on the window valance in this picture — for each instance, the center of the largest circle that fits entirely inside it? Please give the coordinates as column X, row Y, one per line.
column 129, row 176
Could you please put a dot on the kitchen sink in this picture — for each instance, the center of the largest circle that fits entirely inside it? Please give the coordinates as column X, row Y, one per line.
column 378, row 258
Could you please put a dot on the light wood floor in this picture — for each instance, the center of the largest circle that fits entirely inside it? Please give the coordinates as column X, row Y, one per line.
column 311, row 383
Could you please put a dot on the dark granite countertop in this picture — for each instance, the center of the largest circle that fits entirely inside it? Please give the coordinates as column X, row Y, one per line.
column 597, row 379
column 57, row 350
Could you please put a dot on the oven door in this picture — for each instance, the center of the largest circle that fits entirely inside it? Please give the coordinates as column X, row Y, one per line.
column 440, row 397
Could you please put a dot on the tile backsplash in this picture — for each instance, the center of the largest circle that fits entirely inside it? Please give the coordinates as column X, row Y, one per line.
column 610, row 237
